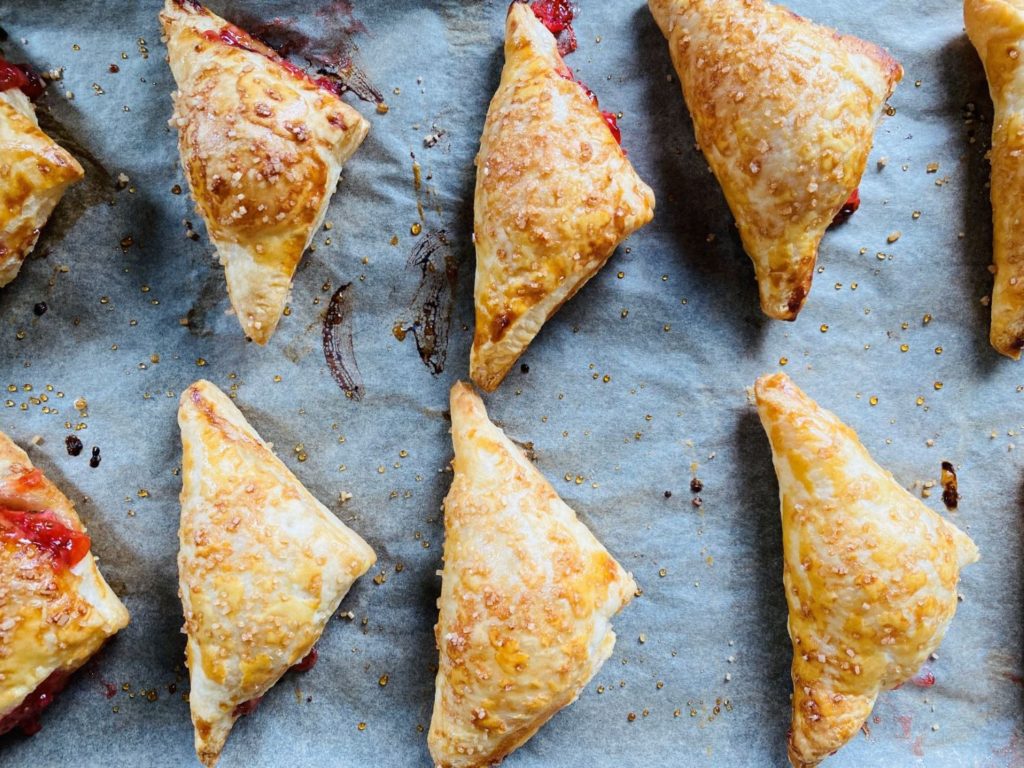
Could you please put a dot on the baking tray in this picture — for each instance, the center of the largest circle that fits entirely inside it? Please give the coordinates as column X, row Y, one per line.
column 620, row 407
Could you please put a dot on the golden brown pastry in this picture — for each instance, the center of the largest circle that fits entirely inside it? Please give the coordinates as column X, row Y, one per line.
column 527, row 596
column 34, row 170
column 785, row 112
column 870, row 571
column 555, row 195
column 55, row 608
column 262, row 145
column 262, row 565
column 996, row 27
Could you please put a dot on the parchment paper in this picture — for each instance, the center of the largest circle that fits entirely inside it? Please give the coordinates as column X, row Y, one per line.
column 679, row 364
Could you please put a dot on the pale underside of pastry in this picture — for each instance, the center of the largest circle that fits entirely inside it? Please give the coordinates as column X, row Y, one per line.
column 526, row 600
column 870, row 572
column 262, row 564
column 34, row 173
column 785, row 112
column 262, row 145
column 56, row 610
column 996, row 27
column 555, row 195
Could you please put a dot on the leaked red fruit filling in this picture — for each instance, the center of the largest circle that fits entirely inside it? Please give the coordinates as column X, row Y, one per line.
column 239, row 38
column 21, row 77
column 28, row 481
column 308, row 661
column 247, row 707
column 26, row 715
column 613, row 125
column 45, row 531
column 925, row 680
column 849, row 208
column 557, row 16
column 609, row 117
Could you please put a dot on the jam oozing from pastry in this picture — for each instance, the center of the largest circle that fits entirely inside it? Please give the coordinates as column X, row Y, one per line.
column 849, row 208
column 925, row 680
column 612, row 122
column 307, row 663
column 557, row 16
column 26, row 715
column 247, row 707
column 45, row 531
column 239, row 38
column 609, row 118
column 27, row 481
column 21, row 77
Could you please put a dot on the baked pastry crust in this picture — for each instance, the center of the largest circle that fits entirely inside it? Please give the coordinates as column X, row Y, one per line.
column 262, row 145
column 996, row 27
column 35, row 171
column 785, row 111
column 555, row 195
column 262, row 564
column 870, row 571
column 526, row 600
column 53, row 618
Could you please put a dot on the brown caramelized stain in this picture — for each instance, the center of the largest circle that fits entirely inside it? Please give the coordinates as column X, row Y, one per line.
column 337, row 343
column 328, row 48
column 500, row 324
column 431, row 307
column 950, row 491
column 526, row 446
column 796, row 300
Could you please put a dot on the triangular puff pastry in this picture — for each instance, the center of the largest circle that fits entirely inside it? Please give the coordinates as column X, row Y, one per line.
column 262, row 145
column 785, row 112
column 555, row 195
column 34, row 174
column 996, row 27
column 262, row 566
column 870, row 572
column 55, row 608
column 527, row 595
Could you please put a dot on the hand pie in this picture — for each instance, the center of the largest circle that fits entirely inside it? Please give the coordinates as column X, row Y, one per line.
column 785, row 112
column 34, row 170
column 555, row 195
column 262, row 565
column 55, row 608
column 870, row 571
column 526, row 598
column 996, row 27
column 262, row 145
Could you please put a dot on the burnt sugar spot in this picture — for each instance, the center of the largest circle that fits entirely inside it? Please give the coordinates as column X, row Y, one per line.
column 431, row 306
column 337, row 341
column 950, row 489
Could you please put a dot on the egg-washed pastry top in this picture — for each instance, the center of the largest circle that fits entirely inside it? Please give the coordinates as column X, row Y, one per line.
column 55, row 608
column 555, row 195
column 34, row 170
column 527, row 597
column 870, row 572
column 262, row 564
column 785, row 112
column 262, row 145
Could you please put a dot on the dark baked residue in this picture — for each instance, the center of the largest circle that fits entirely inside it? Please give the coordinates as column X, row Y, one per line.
column 337, row 339
column 431, row 306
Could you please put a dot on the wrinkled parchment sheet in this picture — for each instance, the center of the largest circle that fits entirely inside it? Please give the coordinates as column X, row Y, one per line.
column 702, row 658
